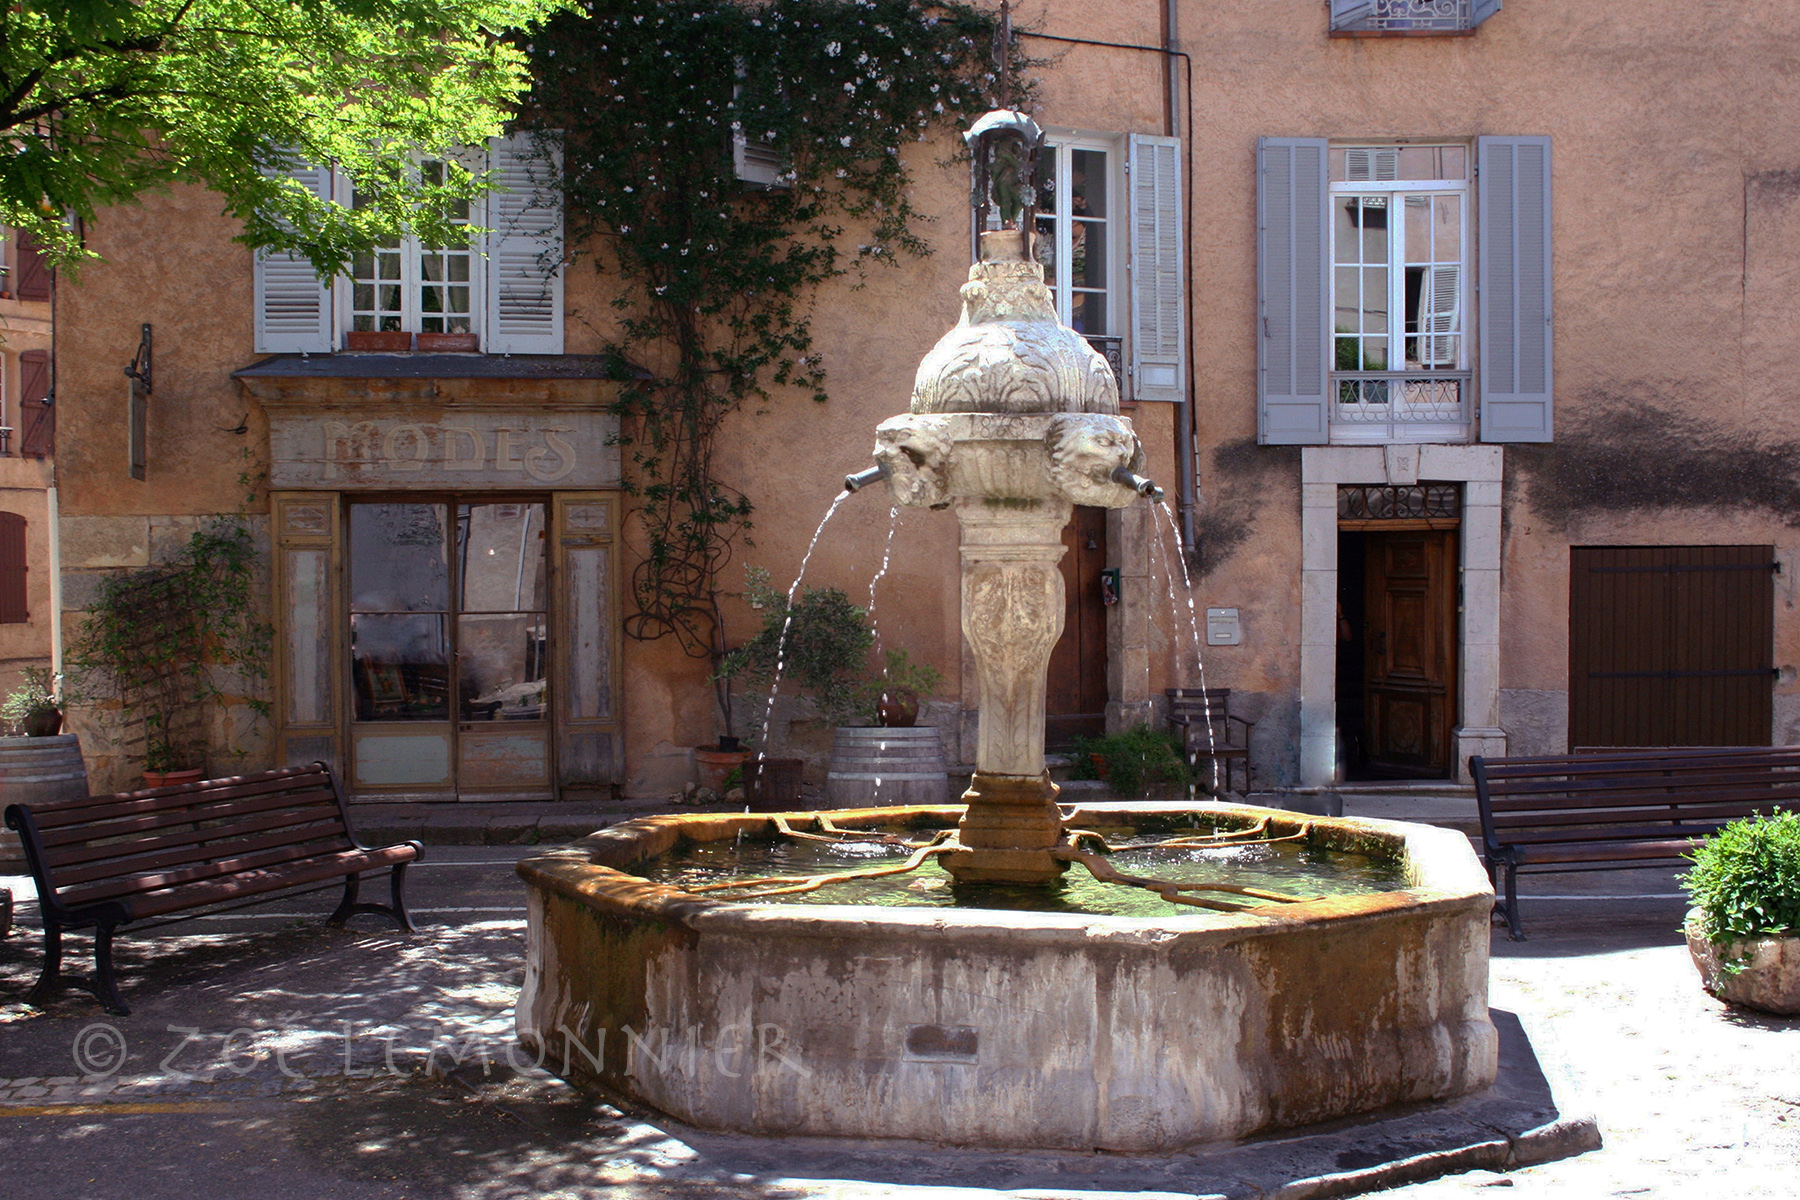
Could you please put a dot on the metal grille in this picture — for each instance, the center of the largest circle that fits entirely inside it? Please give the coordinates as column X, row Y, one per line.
column 1389, row 404
column 1418, row 16
column 1382, row 502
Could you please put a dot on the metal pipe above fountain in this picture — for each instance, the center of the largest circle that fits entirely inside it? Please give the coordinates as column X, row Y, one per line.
column 1132, row 480
column 856, row 481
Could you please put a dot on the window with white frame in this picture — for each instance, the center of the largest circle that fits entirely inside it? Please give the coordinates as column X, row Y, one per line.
column 402, row 285
column 1075, row 239
column 503, row 285
column 1399, row 249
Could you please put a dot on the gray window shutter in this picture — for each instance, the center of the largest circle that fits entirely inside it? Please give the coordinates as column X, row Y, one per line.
column 1513, row 185
column 1483, row 9
column 525, row 248
column 1346, row 14
column 293, row 308
column 1158, row 299
column 1293, row 342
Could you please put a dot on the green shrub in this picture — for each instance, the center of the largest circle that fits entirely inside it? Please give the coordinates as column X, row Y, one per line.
column 1137, row 760
column 1746, row 879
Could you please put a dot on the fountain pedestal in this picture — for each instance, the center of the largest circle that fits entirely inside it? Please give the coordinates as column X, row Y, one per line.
column 1012, row 614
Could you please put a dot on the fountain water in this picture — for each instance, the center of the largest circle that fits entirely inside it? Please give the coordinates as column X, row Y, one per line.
column 1074, row 1029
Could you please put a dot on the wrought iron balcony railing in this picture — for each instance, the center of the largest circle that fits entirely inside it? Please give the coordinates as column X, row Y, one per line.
column 1409, row 16
column 1400, row 406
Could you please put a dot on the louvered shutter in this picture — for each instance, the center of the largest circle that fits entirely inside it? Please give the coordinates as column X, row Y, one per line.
column 1348, row 13
column 293, row 308
column 1158, row 299
column 1293, row 343
column 1513, row 183
column 1482, row 10
column 1440, row 306
column 14, row 608
column 33, row 281
column 524, row 269
column 37, row 414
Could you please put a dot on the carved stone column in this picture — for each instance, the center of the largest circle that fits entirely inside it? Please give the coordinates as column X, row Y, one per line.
column 1012, row 614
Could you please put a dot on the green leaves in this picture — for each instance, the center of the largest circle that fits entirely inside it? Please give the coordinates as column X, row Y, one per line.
column 716, row 276
column 821, row 644
column 103, row 99
column 1746, row 879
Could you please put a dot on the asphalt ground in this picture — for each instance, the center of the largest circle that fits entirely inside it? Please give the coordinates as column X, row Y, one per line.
column 268, row 1057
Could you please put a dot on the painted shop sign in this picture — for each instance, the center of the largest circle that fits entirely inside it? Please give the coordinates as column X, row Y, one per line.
column 445, row 449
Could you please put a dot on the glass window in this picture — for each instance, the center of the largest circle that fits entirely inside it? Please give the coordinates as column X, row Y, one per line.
column 502, row 629
column 1075, row 241
column 399, row 601
column 405, row 286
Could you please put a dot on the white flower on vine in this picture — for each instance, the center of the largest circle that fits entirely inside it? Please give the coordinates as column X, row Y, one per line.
column 833, row 49
column 844, row 142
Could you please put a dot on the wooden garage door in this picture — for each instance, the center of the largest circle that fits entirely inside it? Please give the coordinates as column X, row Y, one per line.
column 1670, row 645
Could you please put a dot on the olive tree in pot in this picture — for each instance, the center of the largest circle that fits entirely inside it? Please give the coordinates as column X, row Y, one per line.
column 820, row 645
column 33, row 706
column 1744, row 928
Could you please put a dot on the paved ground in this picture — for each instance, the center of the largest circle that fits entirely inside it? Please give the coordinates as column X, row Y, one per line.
column 271, row 1058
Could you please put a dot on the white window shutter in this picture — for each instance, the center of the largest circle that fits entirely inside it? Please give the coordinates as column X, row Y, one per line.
column 1347, row 13
column 1293, row 343
column 1513, row 182
column 1440, row 310
column 293, row 308
column 1158, row 297
column 524, row 268
column 1483, row 9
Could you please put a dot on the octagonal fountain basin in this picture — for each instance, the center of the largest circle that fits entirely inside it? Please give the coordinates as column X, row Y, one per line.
column 1012, row 1017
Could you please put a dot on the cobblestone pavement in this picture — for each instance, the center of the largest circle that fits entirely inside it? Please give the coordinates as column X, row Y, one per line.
column 272, row 1059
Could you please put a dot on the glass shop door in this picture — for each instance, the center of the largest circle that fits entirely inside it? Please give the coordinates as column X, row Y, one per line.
column 449, row 630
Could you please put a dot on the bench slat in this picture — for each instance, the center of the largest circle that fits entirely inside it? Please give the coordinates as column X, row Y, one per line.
column 129, row 804
column 322, row 804
column 1659, row 849
column 123, row 861
column 203, row 840
column 115, row 884
column 269, row 879
column 1599, row 802
column 1520, row 827
column 1717, row 776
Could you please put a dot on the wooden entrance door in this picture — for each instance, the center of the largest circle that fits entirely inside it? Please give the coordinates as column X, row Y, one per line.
column 1410, row 651
column 1671, row 645
column 1076, row 703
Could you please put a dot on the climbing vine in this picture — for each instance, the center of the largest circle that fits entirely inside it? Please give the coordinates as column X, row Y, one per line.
column 714, row 276
column 153, row 639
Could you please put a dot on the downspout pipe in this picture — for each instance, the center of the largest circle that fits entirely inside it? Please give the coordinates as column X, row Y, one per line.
column 1173, row 109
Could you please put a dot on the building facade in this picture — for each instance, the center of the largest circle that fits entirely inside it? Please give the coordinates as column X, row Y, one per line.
column 1460, row 334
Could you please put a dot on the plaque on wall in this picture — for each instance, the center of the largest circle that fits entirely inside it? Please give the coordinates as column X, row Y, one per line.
column 448, row 449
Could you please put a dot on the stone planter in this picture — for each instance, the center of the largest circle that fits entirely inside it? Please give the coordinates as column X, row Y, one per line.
column 1770, row 979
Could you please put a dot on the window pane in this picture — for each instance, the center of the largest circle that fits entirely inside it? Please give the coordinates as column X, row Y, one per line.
column 1087, row 312
column 1374, row 218
column 1087, row 255
column 1344, row 229
column 1046, row 187
column 1375, row 300
column 500, row 666
column 1418, row 229
column 399, row 561
column 1375, row 354
column 399, row 666
column 1448, row 228
column 1087, row 183
column 501, row 549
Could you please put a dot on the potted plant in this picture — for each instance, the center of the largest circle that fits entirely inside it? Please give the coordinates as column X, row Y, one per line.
column 1743, row 930
column 900, row 688
column 1134, row 763
column 33, row 706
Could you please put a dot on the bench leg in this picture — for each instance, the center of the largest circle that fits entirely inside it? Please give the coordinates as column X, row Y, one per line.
column 50, row 979
column 108, row 988
column 1514, row 929
column 396, row 911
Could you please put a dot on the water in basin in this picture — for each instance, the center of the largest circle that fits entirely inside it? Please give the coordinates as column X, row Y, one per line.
column 1292, row 868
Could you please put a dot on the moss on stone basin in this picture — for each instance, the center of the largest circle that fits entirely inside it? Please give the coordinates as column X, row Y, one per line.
column 1004, row 1028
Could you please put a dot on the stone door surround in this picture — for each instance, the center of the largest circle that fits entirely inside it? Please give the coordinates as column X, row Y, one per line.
column 1322, row 469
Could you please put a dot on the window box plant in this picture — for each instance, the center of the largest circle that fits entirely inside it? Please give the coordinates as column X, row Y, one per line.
column 390, row 341
column 1744, row 928
column 33, row 705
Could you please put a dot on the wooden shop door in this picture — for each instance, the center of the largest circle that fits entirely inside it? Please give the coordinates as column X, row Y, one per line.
column 1410, row 651
column 1076, row 703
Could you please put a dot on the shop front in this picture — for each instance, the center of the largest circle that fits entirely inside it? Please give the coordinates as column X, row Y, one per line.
column 445, row 574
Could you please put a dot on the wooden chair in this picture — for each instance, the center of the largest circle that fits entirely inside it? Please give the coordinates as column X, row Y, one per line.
column 1209, row 732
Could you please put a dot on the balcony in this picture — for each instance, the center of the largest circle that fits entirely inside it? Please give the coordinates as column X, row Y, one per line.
column 1365, row 17
column 1377, row 407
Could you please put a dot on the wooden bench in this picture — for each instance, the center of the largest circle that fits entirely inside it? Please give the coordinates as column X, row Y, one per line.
column 1619, row 809
column 107, row 861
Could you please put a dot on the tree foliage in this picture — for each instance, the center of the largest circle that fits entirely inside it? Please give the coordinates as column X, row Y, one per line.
column 716, row 277
column 101, row 100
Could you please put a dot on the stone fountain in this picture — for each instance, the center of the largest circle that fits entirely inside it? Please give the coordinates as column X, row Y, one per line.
column 1000, row 1028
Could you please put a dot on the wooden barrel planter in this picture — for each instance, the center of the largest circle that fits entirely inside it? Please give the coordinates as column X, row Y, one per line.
column 773, row 784
column 36, row 770
column 885, row 766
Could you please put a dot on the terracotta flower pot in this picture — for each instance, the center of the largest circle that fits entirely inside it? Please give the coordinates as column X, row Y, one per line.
column 390, row 341
column 714, row 765
column 43, row 724
column 1770, row 976
column 899, row 709
column 157, row 779
column 447, row 343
